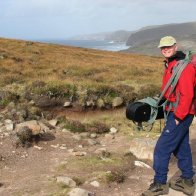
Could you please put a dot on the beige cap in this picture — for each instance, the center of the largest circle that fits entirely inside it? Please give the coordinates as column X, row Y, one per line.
column 167, row 41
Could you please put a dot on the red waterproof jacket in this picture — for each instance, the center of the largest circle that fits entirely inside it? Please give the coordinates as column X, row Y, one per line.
column 184, row 88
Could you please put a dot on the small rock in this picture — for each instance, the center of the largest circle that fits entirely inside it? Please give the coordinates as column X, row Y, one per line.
column 79, row 153
column 32, row 103
column 93, row 135
column 90, row 103
column 65, row 131
column 113, row 130
column 55, row 146
column 84, row 134
column 53, row 122
column 38, row 147
column 80, row 192
column 9, row 125
column 63, row 147
column 77, row 137
column 67, row 104
column 25, row 155
column 92, row 142
column 66, row 181
column 95, row 184
column 117, row 101
column 141, row 164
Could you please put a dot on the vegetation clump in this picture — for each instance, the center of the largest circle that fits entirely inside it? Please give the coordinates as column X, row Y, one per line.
column 94, row 127
column 97, row 127
column 75, row 126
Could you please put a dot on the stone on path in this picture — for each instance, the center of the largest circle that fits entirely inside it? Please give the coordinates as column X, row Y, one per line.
column 79, row 192
column 66, row 181
column 33, row 125
column 95, row 184
column 141, row 164
column 143, row 148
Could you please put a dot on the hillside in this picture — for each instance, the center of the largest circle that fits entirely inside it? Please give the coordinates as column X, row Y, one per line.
column 150, row 47
column 153, row 33
column 83, row 77
column 145, row 40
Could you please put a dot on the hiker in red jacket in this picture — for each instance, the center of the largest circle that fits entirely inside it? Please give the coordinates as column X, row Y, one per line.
column 175, row 135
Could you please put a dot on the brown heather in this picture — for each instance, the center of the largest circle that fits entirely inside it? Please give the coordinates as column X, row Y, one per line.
column 22, row 63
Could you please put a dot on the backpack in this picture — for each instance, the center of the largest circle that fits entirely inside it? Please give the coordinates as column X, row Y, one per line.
column 154, row 106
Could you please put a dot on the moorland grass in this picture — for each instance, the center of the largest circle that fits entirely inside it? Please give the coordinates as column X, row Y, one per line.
column 102, row 72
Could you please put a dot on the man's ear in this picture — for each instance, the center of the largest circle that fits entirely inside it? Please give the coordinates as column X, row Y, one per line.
column 176, row 47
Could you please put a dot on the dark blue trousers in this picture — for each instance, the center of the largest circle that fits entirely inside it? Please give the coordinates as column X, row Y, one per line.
column 174, row 139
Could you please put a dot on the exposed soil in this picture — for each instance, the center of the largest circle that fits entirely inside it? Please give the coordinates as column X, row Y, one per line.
column 32, row 171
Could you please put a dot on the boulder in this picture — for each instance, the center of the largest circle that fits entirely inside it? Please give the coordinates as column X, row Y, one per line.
column 33, row 125
column 117, row 101
column 143, row 148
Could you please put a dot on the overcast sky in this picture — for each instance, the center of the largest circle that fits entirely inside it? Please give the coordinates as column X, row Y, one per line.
column 60, row 19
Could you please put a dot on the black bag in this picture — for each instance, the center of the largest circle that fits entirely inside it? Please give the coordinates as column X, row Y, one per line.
column 141, row 112
column 138, row 111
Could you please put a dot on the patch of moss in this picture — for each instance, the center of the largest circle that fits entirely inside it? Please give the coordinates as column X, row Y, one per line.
column 4, row 102
column 75, row 126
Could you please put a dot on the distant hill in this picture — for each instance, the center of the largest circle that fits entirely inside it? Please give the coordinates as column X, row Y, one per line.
column 145, row 40
column 150, row 47
column 177, row 30
column 118, row 36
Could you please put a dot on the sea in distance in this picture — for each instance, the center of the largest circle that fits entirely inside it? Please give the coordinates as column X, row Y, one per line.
column 94, row 44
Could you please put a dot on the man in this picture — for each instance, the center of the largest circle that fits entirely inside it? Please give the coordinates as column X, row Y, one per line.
column 175, row 135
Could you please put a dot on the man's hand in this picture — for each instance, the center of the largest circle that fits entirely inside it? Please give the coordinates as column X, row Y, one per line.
column 177, row 122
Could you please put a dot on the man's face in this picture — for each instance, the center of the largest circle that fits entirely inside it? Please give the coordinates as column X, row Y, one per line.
column 168, row 51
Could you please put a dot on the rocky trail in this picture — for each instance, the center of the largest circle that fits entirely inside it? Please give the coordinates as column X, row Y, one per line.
column 60, row 162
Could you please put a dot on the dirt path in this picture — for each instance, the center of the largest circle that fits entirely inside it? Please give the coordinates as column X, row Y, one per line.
column 32, row 171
